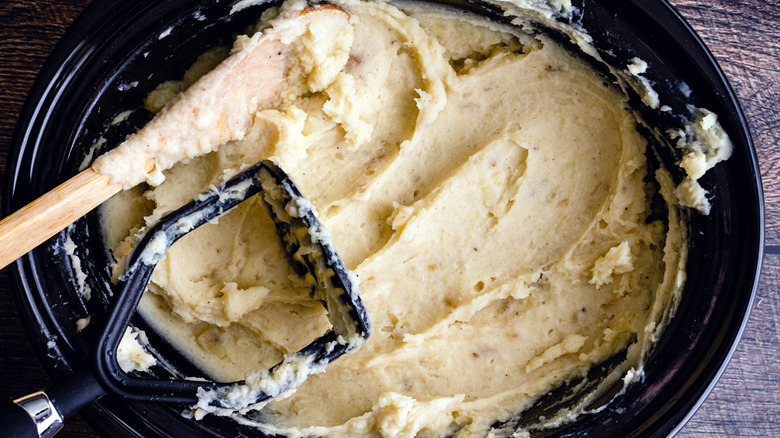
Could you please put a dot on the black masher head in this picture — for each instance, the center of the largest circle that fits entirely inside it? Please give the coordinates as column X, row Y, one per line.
column 315, row 259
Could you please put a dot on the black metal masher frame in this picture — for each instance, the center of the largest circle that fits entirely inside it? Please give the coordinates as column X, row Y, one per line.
column 314, row 258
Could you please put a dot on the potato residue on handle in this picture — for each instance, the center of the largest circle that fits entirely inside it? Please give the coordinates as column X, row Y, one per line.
column 253, row 78
column 220, row 106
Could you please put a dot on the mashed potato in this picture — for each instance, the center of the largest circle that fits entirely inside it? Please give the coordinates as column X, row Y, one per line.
column 489, row 189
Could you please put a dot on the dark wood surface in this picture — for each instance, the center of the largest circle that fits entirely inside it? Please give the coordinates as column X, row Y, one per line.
column 745, row 38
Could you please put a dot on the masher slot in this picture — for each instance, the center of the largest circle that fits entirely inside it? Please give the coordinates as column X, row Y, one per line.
column 310, row 249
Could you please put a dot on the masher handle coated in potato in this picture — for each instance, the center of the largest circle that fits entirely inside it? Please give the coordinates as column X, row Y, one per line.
column 264, row 63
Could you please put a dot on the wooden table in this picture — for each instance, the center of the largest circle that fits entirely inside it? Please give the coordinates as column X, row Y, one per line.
column 745, row 37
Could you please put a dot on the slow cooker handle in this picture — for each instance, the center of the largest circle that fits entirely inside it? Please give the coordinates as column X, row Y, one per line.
column 41, row 415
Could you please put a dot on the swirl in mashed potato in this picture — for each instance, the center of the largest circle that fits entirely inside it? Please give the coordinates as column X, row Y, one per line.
column 490, row 190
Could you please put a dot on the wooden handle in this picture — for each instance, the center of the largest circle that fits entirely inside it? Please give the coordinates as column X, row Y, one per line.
column 36, row 222
column 256, row 75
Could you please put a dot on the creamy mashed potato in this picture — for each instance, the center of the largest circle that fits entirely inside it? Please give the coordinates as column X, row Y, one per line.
column 490, row 191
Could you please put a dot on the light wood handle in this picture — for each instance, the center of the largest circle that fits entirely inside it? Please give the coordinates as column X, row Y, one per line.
column 36, row 222
column 260, row 73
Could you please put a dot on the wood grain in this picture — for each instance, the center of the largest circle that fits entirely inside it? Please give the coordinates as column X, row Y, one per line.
column 28, row 33
column 745, row 401
column 743, row 35
column 745, row 39
column 36, row 222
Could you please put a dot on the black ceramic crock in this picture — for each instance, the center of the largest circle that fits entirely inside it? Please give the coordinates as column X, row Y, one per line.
column 118, row 51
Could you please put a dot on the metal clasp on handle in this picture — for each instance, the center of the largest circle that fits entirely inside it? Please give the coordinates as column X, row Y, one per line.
column 46, row 417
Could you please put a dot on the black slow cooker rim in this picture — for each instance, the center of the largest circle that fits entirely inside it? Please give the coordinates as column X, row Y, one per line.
column 75, row 48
